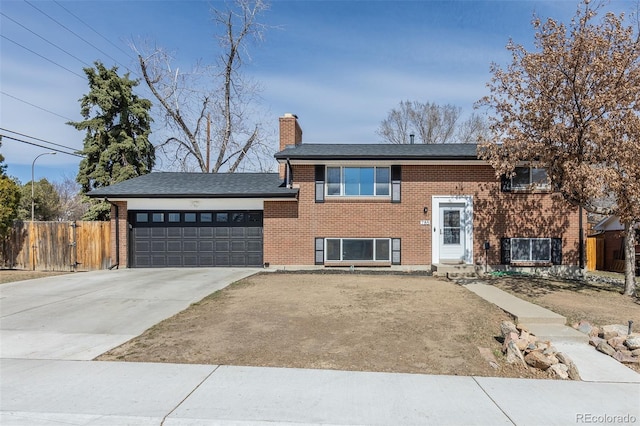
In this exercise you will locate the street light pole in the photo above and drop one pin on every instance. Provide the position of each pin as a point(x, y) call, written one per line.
point(33, 209)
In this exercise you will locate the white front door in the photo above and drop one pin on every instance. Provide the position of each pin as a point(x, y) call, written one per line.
point(452, 243)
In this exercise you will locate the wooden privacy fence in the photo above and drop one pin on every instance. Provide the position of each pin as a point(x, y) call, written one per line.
point(57, 246)
point(595, 254)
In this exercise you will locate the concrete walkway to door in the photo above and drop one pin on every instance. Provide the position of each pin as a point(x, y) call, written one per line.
point(81, 315)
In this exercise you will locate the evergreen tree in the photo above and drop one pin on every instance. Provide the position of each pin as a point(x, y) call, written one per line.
point(117, 125)
point(46, 201)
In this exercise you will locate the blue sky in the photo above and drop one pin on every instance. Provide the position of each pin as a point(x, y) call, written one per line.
point(339, 65)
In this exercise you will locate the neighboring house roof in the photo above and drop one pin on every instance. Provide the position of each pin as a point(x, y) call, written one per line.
point(611, 223)
point(307, 151)
point(190, 185)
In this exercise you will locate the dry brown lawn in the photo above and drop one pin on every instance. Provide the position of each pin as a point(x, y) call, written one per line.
point(13, 275)
point(391, 323)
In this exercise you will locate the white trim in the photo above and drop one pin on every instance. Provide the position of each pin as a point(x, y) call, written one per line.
point(436, 200)
point(192, 203)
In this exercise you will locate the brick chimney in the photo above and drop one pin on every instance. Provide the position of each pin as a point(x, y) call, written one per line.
point(290, 134)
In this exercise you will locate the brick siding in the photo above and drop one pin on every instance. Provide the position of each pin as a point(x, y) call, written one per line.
point(291, 227)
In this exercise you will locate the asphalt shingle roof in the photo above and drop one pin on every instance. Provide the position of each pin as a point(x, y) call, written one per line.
point(379, 151)
point(189, 185)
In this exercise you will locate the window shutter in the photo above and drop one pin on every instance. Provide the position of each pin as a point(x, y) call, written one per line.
point(556, 251)
point(395, 251)
point(396, 178)
point(505, 251)
point(319, 184)
point(319, 249)
point(505, 183)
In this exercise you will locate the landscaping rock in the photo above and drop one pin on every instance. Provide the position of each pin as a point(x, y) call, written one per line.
point(572, 370)
point(626, 358)
point(560, 370)
point(522, 328)
point(550, 350)
point(522, 344)
point(538, 360)
point(605, 348)
point(507, 327)
point(584, 327)
point(595, 341)
point(613, 330)
point(635, 352)
point(509, 337)
point(614, 342)
point(633, 343)
point(514, 355)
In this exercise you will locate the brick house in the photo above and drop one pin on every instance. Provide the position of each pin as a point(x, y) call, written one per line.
point(382, 205)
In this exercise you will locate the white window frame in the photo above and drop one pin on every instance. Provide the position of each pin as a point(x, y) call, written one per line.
point(530, 260)
point(374, 253)
point(342, 181)
point(531, 185)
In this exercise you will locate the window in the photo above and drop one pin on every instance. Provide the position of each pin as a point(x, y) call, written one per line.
point(530, 249)
point(157, 217)
point(142, 217)
point(190, 217)
point(222, 217)
point(358, 181)
point(358, 249)
point(529, 178)
point(206, 217)
point(174, 217)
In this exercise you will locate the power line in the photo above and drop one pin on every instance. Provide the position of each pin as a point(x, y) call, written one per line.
point(38, 139)
point(72, 32)
point(42, 38)
point(94, 30)
point(37, 54)
point(35, 106)
point(41, 146)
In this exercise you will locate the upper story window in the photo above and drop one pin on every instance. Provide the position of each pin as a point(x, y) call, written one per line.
point(528, 178)
point(359, 181)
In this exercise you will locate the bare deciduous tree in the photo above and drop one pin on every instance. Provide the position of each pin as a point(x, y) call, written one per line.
point(572, 105)
point(430, 123)
point(212, 119)
point(71, 207)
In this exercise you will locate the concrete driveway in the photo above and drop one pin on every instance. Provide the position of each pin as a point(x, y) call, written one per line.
point(82, 315)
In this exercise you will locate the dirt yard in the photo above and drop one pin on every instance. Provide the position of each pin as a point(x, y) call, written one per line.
point(392, 323)
point(12, 275)
point(598, 303)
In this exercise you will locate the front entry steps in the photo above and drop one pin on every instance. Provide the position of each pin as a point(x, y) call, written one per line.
point(460, 270)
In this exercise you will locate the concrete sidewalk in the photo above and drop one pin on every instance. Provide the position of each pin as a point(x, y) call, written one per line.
point(547, 325)
point(41, 392)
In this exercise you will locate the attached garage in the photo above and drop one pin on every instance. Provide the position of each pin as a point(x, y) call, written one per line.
point(163, 220)
point(195, 238)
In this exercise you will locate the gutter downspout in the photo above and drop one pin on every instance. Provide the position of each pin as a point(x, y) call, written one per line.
point(117, 265)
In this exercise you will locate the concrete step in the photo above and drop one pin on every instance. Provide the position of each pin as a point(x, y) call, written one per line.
point(556, 332)
point(454, 270)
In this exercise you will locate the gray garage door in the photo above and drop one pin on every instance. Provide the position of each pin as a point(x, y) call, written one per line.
point(191, 239)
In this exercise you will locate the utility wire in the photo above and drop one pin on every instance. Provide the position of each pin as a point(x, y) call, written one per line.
point(46, 59)
point(94, 30)
point(72, 32)
point(35, 106)
point(38, 139)
point(42, 38)
point(41, 146)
